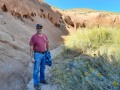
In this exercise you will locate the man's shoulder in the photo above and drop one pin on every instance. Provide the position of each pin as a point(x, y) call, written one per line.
point(34, 35)
point(45, 35)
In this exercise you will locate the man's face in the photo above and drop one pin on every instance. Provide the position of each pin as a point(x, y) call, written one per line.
point(39, 30)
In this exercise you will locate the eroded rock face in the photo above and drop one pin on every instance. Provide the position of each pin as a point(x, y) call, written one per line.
point(64, 20)
point(32, 8)
point(80, 20)
point(15, 71)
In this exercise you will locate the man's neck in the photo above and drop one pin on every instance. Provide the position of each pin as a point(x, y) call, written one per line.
point(40, 34)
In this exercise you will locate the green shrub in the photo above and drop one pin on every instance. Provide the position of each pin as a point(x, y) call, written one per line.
point(97, 68)
point(100, 39)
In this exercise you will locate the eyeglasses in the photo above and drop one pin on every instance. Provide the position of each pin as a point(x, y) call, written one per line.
point(39, 28)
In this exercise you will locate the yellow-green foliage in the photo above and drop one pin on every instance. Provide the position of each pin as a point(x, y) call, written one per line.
point(104, 39)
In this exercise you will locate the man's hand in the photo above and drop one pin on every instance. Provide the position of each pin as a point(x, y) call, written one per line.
point(32, 60)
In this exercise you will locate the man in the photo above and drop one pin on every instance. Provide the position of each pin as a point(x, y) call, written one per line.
point(38, 47)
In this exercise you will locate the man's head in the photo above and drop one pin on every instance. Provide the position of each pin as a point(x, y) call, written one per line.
point(39, 28)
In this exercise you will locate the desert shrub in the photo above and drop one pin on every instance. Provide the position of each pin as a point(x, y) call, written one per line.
point(105, 40)
point(86, 73)
point(90, 60)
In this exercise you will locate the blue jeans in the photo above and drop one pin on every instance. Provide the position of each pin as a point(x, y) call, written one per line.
point(39, 66)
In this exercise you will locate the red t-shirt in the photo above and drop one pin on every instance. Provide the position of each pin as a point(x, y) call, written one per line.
point(39, 42)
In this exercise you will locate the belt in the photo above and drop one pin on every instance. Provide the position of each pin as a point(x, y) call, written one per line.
point(40, 52)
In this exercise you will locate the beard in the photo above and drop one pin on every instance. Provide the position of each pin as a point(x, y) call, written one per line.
point(39, 31)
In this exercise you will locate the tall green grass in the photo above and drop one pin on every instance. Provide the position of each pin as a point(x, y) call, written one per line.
point(104, 40)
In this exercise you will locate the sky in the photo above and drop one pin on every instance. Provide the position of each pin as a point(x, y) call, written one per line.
point(104, 5)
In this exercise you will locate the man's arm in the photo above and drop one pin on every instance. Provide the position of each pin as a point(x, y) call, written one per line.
point(31, 51)
point(47, 46)
point(32, 54)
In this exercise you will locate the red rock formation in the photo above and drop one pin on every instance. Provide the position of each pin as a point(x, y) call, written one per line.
point(78, 20)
